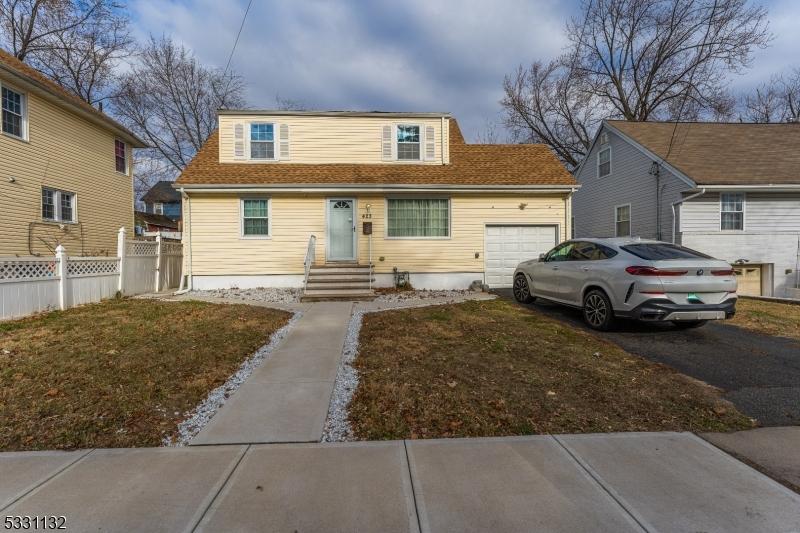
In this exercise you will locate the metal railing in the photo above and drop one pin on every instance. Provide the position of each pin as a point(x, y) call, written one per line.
point(310, 258)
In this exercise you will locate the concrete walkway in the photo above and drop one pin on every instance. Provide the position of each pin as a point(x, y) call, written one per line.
point(286, 399)
point(616, 482)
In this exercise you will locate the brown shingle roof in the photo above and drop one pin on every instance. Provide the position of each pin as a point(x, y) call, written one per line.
point(11, 63)
point(723, 153)
point(470, 164)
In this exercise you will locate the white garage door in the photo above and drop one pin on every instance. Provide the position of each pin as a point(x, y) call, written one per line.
point(508, 246)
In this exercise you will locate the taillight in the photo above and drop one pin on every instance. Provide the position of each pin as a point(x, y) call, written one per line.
point(652, 271)
point(727, 272)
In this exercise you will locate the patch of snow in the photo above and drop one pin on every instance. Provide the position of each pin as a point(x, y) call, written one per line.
point(337, 425)
point(201, 415)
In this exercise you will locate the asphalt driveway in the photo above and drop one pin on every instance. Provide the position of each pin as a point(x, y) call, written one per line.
point(760, 374)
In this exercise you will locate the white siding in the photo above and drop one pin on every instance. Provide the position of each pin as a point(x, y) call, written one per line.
point(770, 236)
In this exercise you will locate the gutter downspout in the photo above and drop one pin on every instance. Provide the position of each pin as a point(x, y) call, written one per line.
point(679, 202)
point(181, 289)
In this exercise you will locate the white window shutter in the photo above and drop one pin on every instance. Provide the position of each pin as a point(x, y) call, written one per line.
point(386, 143)
point(238, 141)
point(430, 143)
point(283, 138)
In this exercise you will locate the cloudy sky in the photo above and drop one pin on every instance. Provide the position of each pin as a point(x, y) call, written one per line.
point(420, 55)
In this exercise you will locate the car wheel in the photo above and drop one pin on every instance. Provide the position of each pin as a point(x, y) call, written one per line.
point(689, 324)
point(522, 291)
point(597, 310)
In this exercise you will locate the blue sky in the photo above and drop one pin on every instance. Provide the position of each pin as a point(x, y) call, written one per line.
point(420, 55)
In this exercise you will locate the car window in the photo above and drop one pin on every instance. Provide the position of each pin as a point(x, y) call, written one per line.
point(582, 251)
point(603, 252)
point(559, 253)
point(657, 251)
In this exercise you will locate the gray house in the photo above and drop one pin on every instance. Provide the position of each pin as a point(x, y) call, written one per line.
point(729, 190)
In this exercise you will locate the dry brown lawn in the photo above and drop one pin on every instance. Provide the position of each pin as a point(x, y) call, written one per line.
point(771, 318)
point(493, 368)
point(120, 373)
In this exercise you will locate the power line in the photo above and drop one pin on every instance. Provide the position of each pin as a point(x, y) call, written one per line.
point(230, 57)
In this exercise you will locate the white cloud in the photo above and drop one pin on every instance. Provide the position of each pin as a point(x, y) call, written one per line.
point(419, 55)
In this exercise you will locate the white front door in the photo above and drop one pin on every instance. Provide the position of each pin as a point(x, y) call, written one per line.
point(341, 229)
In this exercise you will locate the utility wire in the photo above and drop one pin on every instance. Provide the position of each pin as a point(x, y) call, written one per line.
point(236, 42)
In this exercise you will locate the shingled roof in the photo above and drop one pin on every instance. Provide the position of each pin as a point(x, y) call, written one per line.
point(28, 74)
point(470, 164)
point(712, 153)
point(161, 192)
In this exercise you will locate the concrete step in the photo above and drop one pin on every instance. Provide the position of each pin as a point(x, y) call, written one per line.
point(330, 271)
point(317, 295)
point(314, 286)
point(339, 278)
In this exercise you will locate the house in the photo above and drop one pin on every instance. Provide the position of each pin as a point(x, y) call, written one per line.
point(163, 199)
point(65, 168)
point(402, 191)
point(151, 223)
point(729, 190)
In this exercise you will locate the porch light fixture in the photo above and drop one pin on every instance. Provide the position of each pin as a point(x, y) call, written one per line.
point(522, 206)
point(655, 169)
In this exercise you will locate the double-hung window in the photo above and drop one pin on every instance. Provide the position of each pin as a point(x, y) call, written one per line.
point(120, 156)
point(408, 143)
point(413, 218)
point(58, 206)
point(255, 217)
point(13, 111)
point(604, 162)
point(622, 220)
point(262, 141)
point(731, 211)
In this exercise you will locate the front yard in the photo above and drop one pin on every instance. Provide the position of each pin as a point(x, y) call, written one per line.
point(493, 368)
point(120, 373)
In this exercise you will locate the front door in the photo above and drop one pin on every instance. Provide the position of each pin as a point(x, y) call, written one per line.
point(341, 229)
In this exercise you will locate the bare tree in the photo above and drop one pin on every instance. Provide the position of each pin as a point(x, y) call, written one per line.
point(78, 43)
point(552, 104)
point(170, 100)
point(636, 60)
point(776, 101)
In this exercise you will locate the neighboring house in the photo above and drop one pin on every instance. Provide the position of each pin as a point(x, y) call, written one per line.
point(163, 199)
point(445, 211)
point(148, 222)
point(729, 190)
point(65, 168)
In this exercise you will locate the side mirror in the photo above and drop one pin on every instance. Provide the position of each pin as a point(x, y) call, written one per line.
point(541, 257)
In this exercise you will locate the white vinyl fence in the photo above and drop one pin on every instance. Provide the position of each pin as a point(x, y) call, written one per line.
point(32, 285)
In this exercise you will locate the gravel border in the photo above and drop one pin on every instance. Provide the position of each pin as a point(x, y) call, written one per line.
point(201, 415)
point(337, 425)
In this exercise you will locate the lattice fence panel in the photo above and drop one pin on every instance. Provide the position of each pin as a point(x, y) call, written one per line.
point(28, 269)
point(141, 248)
point(171, 248)
point(80, 266)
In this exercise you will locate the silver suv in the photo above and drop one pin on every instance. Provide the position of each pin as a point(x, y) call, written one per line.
point(630, 278)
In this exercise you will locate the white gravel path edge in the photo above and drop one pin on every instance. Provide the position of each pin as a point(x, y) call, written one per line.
point(201, 415)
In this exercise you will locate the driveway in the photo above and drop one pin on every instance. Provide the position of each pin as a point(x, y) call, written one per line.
point(760, 374)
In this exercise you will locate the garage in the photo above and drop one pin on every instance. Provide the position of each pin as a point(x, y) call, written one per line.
point(509, 245)
point(749, 280)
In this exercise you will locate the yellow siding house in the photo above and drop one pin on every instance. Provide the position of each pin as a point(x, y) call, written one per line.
point(273, 192)
point(65, 169)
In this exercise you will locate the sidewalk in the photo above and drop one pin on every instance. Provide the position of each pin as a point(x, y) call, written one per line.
point(615, 482)
point(286, 399)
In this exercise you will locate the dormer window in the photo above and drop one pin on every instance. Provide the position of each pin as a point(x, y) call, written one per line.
point(408, 143)
point(262, 141)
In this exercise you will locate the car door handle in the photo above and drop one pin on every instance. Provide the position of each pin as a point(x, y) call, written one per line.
point(555, 268)
point(585, 269)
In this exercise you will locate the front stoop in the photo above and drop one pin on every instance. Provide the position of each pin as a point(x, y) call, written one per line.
point(332, 282)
